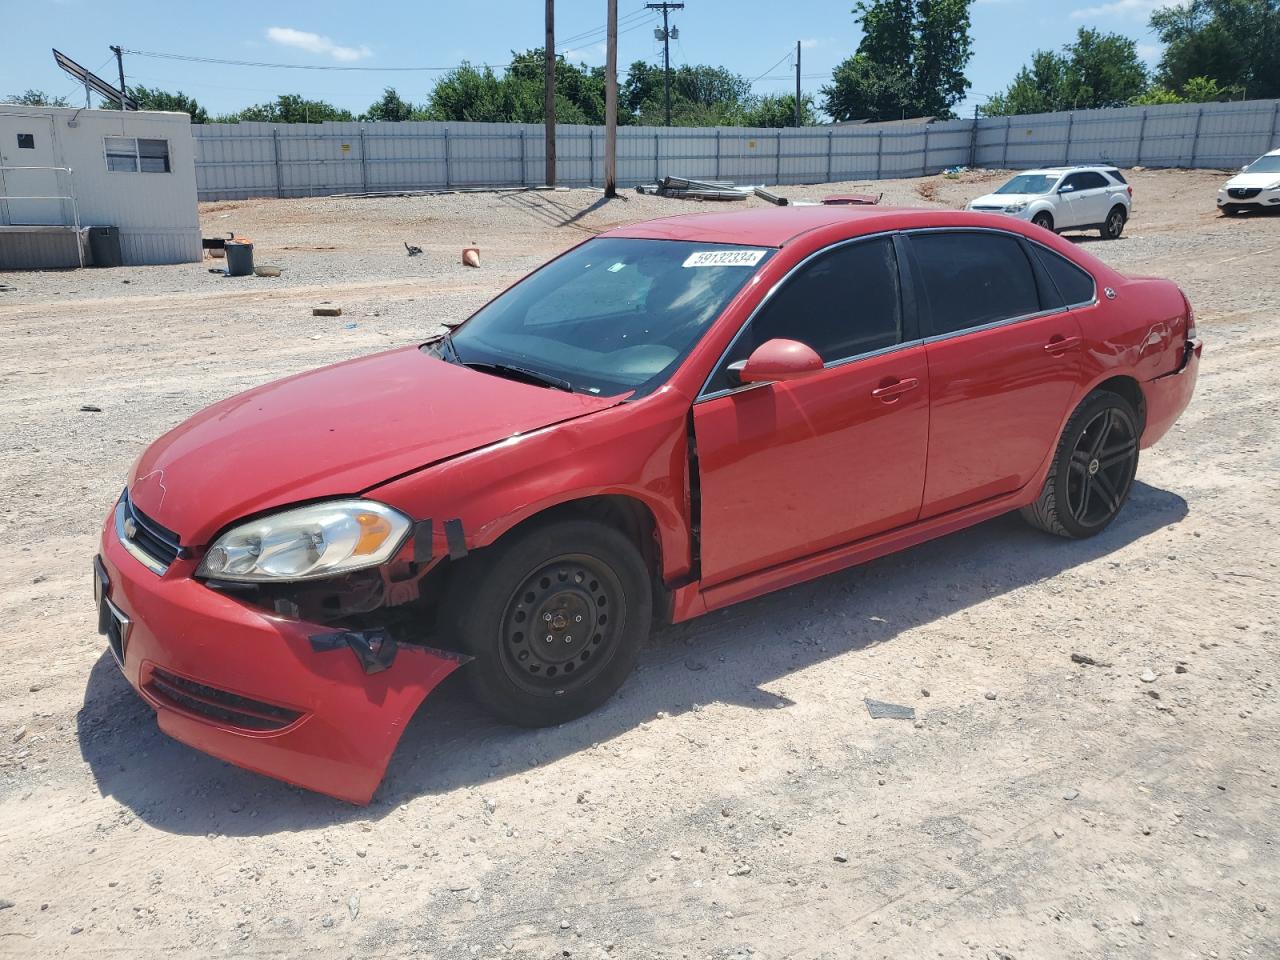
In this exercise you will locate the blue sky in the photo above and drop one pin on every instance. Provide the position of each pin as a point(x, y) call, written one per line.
point(751, 37)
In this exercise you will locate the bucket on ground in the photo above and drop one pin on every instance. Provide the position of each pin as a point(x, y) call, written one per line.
point(104, 246)
point(239, 258)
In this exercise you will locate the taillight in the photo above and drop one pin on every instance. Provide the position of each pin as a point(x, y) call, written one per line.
point(1191, 318)
point(1129, 187)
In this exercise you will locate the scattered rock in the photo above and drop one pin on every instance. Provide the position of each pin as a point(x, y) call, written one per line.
point(1148, 676)
point(1085, 660)
point(89, 408)
point(924, 692)
point(675, 854)
point(1136, 921)
point(6, 904)
point(19, 734)
point(695, 665)
point(1070, 794)
point(490, 805)
point(353, 906)
point(990, 694)
point(326, 311)
point(841, 858)
point(1180, 668)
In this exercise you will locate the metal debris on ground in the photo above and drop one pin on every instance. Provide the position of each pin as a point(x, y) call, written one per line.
point(413, 250)
point(685, 189)
point(880, 710)
point(852, 199)
point(326, 311)
point(774, 198)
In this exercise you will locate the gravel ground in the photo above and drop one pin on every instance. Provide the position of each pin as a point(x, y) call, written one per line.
point(735, 799)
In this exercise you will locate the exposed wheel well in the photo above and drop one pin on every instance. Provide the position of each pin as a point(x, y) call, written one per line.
point(1131, 390)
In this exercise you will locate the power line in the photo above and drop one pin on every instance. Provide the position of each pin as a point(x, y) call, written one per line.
point(762, 76)
point(589, 36)
point(303, 66)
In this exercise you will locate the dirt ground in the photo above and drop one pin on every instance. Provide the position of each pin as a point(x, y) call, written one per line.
point(735, 799)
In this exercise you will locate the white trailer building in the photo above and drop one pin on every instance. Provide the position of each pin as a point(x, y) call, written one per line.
point(64, 171)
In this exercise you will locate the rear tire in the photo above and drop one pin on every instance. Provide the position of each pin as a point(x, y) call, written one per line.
point(1092, 470)
point(581, 583)
point(1114, 224)
point(1043, 219)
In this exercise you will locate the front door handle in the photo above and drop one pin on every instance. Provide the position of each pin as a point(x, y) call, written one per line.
point(1059, 345)
point(892, 391)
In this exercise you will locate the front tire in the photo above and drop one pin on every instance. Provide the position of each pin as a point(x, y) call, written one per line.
point(554, 619)
point(1043, 219)
point(1092, 471)
point(1114, 224)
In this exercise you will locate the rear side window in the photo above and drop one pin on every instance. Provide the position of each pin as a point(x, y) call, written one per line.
point(843, 303)
point(1073, 285)
point(971, 279)
point(1117, 176)
point(1088, 180)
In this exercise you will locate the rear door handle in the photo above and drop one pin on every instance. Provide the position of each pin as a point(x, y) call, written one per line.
point(1061, 344)
point(891, 392)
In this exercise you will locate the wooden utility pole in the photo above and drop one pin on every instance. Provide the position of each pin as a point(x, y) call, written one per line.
point(120, 66)
point(797, 83)
point(549, 93)
point(665, 34)
point(611, 103)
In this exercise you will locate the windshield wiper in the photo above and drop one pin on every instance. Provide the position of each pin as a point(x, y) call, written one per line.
point(520, 373)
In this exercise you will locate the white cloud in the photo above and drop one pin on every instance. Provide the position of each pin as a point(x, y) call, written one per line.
point(1140, 9)
point(811, 43)
point(315, 43)
point(587, 54)
point(1150, 51)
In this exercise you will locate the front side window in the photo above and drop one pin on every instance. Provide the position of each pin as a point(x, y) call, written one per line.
point(843, 303)
point(132, 155)
point(612, 315)
point(973, 278)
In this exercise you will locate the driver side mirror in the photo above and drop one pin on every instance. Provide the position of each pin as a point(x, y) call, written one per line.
point(777, 359)
point(1066, 188)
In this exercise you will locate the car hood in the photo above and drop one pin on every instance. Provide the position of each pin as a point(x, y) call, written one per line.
point(1254, 179)
point(1004, 199)
point(334, 431)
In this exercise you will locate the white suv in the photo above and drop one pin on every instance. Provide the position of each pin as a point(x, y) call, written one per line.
point(1084, 197)
point(1256, 187)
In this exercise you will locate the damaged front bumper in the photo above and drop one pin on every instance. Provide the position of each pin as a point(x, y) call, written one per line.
point(302, 702)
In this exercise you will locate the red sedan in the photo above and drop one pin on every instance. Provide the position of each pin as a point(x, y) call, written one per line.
point(669, 418)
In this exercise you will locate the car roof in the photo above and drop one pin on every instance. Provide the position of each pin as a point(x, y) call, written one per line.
point(1073, 167)
point(776, 226)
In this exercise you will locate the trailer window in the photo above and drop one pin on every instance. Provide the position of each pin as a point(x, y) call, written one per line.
point(26, 141)
point(130, 155)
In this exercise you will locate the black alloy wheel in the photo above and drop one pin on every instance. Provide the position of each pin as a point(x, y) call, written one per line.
point(1092, 471)
point(1114, 225)
point(1101, 468)
point(1043, 220)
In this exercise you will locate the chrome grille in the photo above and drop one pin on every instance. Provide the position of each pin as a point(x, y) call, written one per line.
point(152, 544)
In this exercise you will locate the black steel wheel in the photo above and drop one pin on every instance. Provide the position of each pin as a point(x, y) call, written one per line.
point(554, 615)
point(557, 633)
point(1114, 225)
point(1092, 471)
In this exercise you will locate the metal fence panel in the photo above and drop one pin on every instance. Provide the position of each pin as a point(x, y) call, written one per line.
point(240, 160)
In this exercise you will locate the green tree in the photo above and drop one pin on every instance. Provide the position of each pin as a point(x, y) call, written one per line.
point(1195, 90)
point(1235, 42)
point(289, 108)
point(1096, 70)
point(389, 107)
point(701, 95)
point(35, 98)
point(153, 98)
point(909, 63)
point(779, 111)
point(468, 93)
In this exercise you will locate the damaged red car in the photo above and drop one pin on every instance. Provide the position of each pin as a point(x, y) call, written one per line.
point(666, 419)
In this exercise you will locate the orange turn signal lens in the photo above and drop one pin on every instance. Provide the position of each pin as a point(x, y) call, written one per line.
point(374, 531)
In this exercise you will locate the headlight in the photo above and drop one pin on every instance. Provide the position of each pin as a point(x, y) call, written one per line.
point(320, 540)
point(1015, 208)
point(1274, 186)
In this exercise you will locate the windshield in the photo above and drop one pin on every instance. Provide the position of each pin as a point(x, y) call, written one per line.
point(1030, 183)
point(1267, 164)
point(609, 316)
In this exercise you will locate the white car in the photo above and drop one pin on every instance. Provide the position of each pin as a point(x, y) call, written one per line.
point(1256, 187)
point(1084, 197)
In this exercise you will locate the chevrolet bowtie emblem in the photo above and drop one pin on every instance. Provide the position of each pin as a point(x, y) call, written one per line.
point(130, 528)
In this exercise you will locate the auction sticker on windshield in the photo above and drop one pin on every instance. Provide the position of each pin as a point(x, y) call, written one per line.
point(723, 258)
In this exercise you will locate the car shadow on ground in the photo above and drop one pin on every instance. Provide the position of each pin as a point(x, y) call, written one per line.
point(728, 656)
